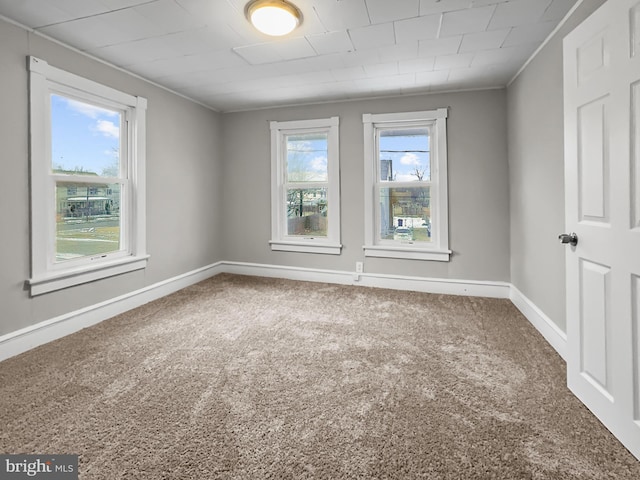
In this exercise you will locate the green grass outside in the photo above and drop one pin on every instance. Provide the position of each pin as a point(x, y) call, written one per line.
point(420, 235)
point(88, 241)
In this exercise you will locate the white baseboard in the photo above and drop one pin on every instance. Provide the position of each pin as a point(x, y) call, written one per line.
point(547, 328)
point(289, 273)
point(472, 288)
point(30, 337)
point(475, 288)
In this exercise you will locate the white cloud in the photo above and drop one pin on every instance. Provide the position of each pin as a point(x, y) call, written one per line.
point(410, 159)
point(90, 111)
point(299, 146)
point(319, 164)
point(405, 177)
point(108, 129)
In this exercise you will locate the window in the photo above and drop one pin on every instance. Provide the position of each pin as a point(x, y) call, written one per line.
point(305, 186)
point(87, 180)
point(406, 185)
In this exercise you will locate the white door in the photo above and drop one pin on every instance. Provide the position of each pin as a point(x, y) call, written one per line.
point(602, 182)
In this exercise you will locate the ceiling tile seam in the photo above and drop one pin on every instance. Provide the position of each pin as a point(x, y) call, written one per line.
point(233, 50)
point(181, 7)
point(104, 62)
point(234, 6)
point(493, 14)
point(546, 9)
point(317, 14)
point(312, 48)
point(440, 22)
point(506, 37)
point(546, 40)
point(280, 60)
point(395, 35)
point(355, 49)
point(164, 35)
point(458, 49)
point(97, 14)
point(366, 7)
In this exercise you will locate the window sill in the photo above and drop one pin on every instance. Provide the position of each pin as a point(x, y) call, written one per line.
point(306, 247)
point(52, 281)
point(408, 253)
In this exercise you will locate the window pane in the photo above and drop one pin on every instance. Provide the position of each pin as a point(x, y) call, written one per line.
point(405, 214)
point(87, 221)
point(85, 139)
point(307, 212)
point(404, 155)
point(307, 157)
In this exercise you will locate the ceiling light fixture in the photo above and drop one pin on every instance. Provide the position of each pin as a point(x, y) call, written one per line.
point(273, 17)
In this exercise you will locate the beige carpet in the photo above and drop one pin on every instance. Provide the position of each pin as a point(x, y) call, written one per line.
point(250, 378)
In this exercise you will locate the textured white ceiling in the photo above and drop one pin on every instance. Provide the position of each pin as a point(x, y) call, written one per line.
point(344, 49)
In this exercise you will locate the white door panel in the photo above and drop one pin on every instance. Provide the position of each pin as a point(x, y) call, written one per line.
point(593, 161)
point(634, 174)
point(635, 306)
point(595, 320)
point(602, 201)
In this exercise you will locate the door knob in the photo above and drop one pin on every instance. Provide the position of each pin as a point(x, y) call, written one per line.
point(570, 238)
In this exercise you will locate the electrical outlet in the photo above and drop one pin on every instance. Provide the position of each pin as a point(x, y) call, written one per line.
point(359, 267)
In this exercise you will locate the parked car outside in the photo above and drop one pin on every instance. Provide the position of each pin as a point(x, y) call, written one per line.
point(402, 233)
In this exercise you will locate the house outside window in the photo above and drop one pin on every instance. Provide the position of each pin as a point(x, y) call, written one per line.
point(305, 186)
point(406, 206)
point(87, 179)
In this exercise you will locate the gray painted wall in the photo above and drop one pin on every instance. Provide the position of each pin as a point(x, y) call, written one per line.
point(506, 207)
point(183, 183)
point(478, 186)
point(536, 174)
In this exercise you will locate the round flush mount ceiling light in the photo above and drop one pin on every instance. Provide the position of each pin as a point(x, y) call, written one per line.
point(273, 17)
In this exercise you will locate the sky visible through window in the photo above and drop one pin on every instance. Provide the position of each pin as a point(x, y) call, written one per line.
point(409, 153)
point(84, 137)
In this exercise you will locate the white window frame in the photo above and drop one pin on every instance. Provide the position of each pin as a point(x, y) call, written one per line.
point(47, 275)
point(438, 248)
point(280, 240)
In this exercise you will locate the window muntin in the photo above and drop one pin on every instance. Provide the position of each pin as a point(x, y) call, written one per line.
point(305, 186)
point(405, 180)
point(87, 179)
